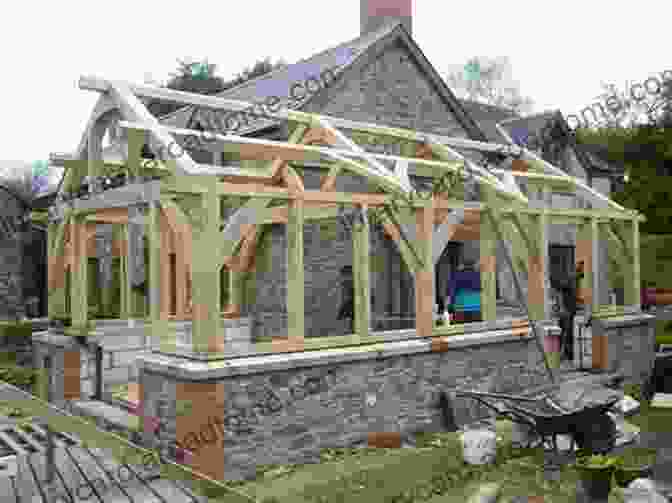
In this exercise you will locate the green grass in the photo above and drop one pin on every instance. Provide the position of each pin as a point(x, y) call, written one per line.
point(434, 470)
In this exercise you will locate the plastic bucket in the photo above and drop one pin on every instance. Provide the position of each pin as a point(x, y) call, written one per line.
point(552, 350)
point(479, 446)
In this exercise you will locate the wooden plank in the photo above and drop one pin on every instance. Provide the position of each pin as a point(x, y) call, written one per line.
point(424, 277)
point(361, 274)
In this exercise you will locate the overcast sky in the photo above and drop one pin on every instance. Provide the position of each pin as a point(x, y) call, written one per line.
point(560, 51)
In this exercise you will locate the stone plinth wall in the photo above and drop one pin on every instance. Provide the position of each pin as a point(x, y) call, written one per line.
point(119, 357)
point(285, 408)
point(627, 344)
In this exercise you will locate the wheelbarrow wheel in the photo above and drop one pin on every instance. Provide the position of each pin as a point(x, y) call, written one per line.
point(597, 435)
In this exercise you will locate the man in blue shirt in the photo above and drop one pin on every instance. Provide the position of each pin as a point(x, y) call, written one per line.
point(463, 298)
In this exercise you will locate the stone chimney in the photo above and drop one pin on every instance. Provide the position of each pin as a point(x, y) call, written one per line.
point(374, 13)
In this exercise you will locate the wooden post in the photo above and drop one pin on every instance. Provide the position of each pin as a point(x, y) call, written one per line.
point(153, 227)
point(79, 287)
point(205, 272)
point(56, 270)
point(361, 274)
point(167, 247)
point(584, 253)
point(424, 277)
point(595, 269)
point(124, 274)
point(295, 278)
point(538, 281)
point(488, 262)
point(633, 279)
point(236, 291)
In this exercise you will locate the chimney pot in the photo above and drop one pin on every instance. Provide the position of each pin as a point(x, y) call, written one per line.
point(375, 13)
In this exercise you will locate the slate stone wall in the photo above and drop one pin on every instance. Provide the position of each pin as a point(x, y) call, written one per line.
point(11, 263)
point(288, 416)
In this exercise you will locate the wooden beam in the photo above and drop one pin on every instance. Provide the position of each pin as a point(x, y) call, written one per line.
point(584, 253)
point(121, 197)
point(329, 181)
point(166, 283)
point(93, 83)
point(295, 276)
point(79, 286)
point(56, 270)
point(297, 135)
point(424, 277)
point(407, 252)
point(488, 261)
point(206, 334)
point(538, 281)
point(361, 274)
point(156, 314)
point(632, 282)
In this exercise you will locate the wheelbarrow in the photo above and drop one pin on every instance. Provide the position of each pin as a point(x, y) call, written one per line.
point(565, 410)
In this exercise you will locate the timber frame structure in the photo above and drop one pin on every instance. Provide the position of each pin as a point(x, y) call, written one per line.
point(180, 202)
point(182, 205)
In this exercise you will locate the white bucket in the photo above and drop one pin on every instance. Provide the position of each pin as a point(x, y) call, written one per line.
point(479, 446)
point(521, 434)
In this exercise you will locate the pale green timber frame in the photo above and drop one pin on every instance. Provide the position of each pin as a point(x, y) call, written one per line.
point(205, 219)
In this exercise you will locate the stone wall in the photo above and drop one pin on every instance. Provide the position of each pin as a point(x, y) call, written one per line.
point(11, 263)
point(286, 415)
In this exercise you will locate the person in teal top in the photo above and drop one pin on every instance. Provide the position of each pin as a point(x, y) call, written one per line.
point(463, 298)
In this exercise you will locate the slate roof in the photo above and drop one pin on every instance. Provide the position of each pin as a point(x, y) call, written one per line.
point(278, 82)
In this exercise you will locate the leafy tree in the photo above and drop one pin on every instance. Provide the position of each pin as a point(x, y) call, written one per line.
point(489, 81)
point(646, 153)
point(200, 77)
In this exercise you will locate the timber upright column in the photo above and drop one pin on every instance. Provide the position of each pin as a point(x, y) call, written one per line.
point(488, 262)
point(538, 280)
point(424, 277)
point(361, 274)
